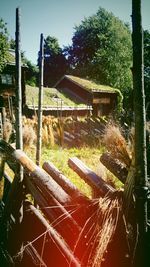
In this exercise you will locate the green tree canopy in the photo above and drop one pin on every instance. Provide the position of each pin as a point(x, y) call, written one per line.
point(4, 44)
point(55, 63)
point(102, 50)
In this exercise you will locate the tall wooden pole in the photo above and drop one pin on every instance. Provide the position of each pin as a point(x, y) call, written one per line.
point(141, 188)
point(39, 133)
point(19, 142)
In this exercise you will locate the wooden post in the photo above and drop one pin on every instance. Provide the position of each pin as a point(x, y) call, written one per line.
point(39, 133)
point(141, 189)
point(19, 142)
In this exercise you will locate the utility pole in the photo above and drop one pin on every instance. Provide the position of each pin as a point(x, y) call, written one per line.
point(39, 133)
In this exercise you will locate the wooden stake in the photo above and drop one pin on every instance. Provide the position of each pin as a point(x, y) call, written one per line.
point(39, 133)
point(19, 142)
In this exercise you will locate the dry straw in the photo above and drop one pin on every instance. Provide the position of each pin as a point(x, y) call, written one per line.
point(116, 144)
point(107, 218)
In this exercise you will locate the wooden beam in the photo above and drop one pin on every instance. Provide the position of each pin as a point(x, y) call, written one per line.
point(91, 178)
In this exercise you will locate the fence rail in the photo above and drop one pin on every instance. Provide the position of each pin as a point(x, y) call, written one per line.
point(57, 231)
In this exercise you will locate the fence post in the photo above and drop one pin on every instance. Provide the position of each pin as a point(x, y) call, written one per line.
point(39, 133)
point(141, 189)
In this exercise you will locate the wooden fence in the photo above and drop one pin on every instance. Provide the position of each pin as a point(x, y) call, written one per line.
point(55, 231)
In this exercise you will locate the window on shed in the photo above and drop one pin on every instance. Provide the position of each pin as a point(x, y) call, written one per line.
point(7, 79)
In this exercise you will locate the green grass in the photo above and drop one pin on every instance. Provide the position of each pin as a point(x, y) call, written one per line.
point(59, 157)
point(51, 97)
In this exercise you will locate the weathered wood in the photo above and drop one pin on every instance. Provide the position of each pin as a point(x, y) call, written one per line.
point(18, 123)
point(45, 184)
point(114, 166)
point(56, 251)
point(40, 100)
point(7, 186)
point(2, 165)
point(31, 257)
point(56, 214)
point(40, 177)
point(91, 178)
point(19, 141)
point(80, 204)
point(140, 178)
point(64, 182)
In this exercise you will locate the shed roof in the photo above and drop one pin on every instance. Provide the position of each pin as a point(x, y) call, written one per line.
point(88, 84)
point(11, 58)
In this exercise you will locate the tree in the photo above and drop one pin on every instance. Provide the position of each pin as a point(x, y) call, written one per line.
point(32, 72)
point(55, 63)
point(147, 71)
point(102, 50)
point(4, 44)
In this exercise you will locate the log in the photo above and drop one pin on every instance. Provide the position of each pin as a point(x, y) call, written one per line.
point(91, 178)
point(65, 183)
point(80, 203)
point(52, 192)
point(56, 252)
point(56, 214)
point(31, 257)
point(7, 186)
point(40, 177)
point(114, 166)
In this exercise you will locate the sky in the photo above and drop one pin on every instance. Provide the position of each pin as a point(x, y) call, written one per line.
point(58, 18)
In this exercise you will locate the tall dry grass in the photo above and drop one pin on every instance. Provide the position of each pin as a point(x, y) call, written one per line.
point(7, 131)
point(116, 144)
point(105, 226)
point(30, 131)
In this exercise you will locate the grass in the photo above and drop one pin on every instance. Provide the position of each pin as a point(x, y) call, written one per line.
point(90, 85)
point(59, 157)
point(51, 97)
point(89, 156)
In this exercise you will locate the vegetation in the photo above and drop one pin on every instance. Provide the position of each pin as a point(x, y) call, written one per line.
point(3, 44)
point(90, 85)
point(55, 63)
point(101, 50)
point(51, 97)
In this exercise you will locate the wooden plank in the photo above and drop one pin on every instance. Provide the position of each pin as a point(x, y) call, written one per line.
point(101, 100)
point(91, 178)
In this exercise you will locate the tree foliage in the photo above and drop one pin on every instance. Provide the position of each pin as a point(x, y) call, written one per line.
point(55, 63)
point(102, 50)
point(32, 71)
point(4, 44)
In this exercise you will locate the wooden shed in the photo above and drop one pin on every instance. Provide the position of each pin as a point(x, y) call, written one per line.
point(8, 81)
point(102, 98)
